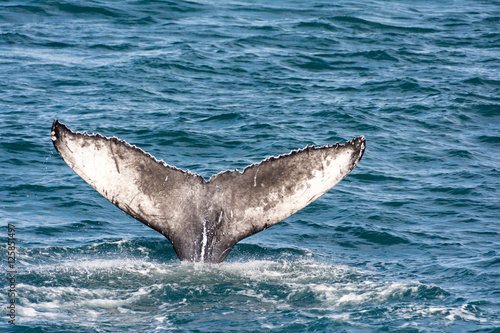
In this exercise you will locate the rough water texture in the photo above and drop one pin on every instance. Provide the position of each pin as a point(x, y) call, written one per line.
point(408, 242)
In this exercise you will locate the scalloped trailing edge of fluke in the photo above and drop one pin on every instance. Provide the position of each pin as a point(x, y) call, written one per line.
point(256, 164)
point(337, 145)
point(114, 138)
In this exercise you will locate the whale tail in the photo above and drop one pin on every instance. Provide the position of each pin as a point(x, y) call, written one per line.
point(204, 219)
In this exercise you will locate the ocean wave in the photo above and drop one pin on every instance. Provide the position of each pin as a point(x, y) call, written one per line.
point(373, 236)
point(363, 24)
point(110, 290)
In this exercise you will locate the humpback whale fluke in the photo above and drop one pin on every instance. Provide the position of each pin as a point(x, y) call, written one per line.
point(204, 219)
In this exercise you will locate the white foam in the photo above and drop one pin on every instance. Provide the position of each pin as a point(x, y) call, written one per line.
point(463, 314)
point(333, 290)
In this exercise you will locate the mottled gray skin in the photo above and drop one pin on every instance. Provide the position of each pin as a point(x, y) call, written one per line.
point(204, 219)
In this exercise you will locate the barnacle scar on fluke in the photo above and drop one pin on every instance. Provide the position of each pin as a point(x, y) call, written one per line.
point(203, 219)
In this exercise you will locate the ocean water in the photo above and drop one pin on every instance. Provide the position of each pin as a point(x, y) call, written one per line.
point(408, 242)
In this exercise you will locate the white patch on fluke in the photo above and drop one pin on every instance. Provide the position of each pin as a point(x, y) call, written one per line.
point(204, 241)
point(255, 178)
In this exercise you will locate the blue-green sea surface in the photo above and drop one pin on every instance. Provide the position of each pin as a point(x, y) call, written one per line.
point(408, 242)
